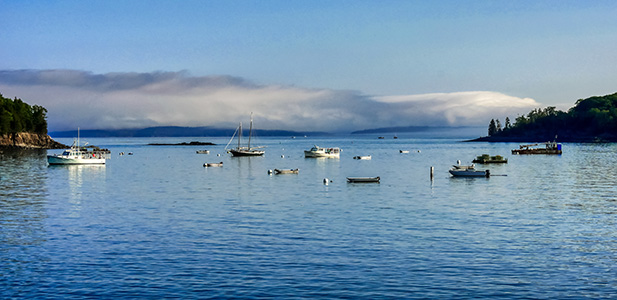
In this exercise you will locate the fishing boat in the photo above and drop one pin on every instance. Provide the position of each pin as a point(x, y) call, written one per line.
point(286, 171)
point(363, 179)
point(208, 165)
point(362, 157)
point(245, 150)
point(317, 151)
point(468, 171)
point(549, 148)
point(79, 155)
point(487, 159)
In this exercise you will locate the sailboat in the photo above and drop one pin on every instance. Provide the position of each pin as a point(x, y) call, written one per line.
point(248, 150)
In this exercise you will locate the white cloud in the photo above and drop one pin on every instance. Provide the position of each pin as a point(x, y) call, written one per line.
point(133, 100)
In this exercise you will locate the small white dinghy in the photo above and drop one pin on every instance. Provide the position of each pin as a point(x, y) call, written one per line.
point(208, 165)
point(363, 157)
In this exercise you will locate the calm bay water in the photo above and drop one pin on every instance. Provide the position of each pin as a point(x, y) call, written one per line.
point(157, 224)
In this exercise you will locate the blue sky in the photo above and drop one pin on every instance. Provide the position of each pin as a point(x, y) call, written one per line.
point(552, 52)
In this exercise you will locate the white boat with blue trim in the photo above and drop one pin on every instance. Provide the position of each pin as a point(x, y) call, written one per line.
point(79, 155)
point(317, 151)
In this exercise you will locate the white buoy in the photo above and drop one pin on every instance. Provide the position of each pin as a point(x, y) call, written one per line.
point(269, 171)
point(282, 156)
point(218, 154)
point(458, 162)
point(326, 181)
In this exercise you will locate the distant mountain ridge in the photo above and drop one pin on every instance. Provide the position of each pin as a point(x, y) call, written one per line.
point(174, 131)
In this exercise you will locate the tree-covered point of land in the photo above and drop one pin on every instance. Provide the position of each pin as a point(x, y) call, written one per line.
point(17, 116)
point(594, 118)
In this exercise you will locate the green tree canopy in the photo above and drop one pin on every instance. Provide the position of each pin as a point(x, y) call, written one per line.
point(18, 116)
point(592, 117)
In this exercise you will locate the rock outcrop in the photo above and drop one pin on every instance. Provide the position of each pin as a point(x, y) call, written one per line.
point(29, 140)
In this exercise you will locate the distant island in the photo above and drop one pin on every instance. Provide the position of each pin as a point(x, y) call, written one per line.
point(591, 120)
point(24, 126)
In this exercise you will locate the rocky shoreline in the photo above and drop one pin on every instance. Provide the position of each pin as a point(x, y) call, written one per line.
point(29, 141)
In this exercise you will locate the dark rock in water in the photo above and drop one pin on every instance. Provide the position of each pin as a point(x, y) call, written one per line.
point(193, 143)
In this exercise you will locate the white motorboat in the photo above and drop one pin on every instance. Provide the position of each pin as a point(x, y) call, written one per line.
point(79, 155)
point(317, 151)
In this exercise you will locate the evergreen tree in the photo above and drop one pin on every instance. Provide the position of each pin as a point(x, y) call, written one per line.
point(594, 118)
point(492, 128)
point(39, 119)
point(17, 116)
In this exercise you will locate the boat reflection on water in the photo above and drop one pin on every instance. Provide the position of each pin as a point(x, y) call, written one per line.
point(81, 180)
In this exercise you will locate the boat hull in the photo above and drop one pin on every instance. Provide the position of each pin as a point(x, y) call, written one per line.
point(288, 171)
point(537, 151)
point(469, 173)
point(483, 161)
point(247, 153)
point(363, 179)
point(235, 152)
point(310, 154)
point(58, 160)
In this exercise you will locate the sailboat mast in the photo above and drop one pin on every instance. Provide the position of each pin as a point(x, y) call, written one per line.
point(239, 134)
point(250, 132)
